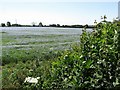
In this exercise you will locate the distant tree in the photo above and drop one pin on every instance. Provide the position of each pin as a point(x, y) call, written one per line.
point(95, 22)
point(33, 24)
point(3, 24)
point(58, 25)
point(86, 26)
point(52, 25)
point(77, 26)
point(40, 24)
point(104, 17)
point(8, 24)
point(16, 25)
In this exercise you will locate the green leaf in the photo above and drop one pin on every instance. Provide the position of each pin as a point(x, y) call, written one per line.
point(88, 63)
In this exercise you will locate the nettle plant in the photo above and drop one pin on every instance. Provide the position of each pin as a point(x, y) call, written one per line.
point(95, 63)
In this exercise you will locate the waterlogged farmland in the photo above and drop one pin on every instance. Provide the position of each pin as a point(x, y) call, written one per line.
point(91, 60)
point(26, 43)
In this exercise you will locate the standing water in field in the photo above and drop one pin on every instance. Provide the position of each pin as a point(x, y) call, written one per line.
point(34, 43)
point(38, 36)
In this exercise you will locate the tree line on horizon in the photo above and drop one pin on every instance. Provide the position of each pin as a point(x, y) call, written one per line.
point(8, 24)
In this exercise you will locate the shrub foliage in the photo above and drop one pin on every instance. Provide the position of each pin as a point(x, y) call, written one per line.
point(95, 63)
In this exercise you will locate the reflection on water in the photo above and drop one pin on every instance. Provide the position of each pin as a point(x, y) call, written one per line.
point(40, 30)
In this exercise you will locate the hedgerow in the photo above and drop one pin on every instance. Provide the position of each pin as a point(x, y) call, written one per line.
point(94, 64)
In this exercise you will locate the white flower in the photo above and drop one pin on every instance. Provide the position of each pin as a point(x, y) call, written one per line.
point(32, 80)
point(65, 56)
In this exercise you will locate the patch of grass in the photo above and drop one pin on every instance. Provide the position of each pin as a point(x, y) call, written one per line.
point(14, 73)
point(6, 39)
point(14, 55)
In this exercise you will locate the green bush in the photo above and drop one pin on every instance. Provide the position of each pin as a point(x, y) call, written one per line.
point(92, 65)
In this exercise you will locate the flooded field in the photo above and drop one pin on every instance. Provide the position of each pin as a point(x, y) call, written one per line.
point(31, 42)
point(26, 37)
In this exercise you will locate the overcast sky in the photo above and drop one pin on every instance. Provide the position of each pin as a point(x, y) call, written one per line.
point(72, 12)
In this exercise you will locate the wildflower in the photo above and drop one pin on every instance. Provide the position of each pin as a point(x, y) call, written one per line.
point(31, 80)
point(65, 56)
